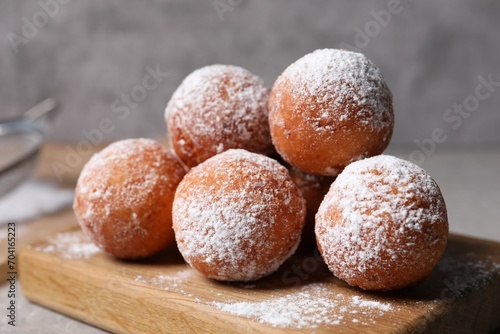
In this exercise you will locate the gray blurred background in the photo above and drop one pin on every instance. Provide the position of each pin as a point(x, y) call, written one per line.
point(90, 55)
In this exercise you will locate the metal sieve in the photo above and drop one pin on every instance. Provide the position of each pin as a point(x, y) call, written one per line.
point(20, 143)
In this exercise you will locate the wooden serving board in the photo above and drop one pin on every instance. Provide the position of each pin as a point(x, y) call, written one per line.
point(164, 295)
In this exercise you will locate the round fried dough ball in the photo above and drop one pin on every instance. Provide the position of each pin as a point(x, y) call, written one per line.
point(313, 189)
point(123, 198)
point(238, 216)
point(216, 108)
point(383, 224)
point(328, 109)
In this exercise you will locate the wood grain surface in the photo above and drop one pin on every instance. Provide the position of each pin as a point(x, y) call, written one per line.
point(164, 295)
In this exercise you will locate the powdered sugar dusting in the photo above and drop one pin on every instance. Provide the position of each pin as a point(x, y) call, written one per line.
point(311, 306)
point(238, 213)
point(168, 282)
point(466, 273)
point(216, 108)
point(382, 212)
point(319, 305)
point(357, 300)
point(70, 245)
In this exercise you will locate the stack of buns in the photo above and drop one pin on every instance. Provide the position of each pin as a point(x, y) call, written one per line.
point(252, 171)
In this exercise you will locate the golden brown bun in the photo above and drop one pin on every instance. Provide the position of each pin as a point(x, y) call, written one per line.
point(238, 216)
point(383, 225)
point(328, 109)
point(123, 198)
point(216, 108)
point(313, 189)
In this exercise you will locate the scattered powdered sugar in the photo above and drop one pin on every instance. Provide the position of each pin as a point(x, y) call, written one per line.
point(466, 273)
point(216, 108)
point(382, 212)
point(70, 245)
point(357, 300)
point(227, 213)
point(311, 306)
point(168, 282)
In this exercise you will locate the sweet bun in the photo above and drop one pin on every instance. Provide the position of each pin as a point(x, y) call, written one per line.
point(383, 224)
point(238, 216)
point(216, 108)
point(328, 109)
point(123, 198)
point(313, 188)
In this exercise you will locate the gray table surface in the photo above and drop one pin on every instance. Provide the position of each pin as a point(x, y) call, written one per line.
point(469, 180)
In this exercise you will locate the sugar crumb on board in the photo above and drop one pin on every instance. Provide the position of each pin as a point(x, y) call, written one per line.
point(466, 273)
point(70, 245)
point(311, 306)
point(316, 305)
point(167, 282)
